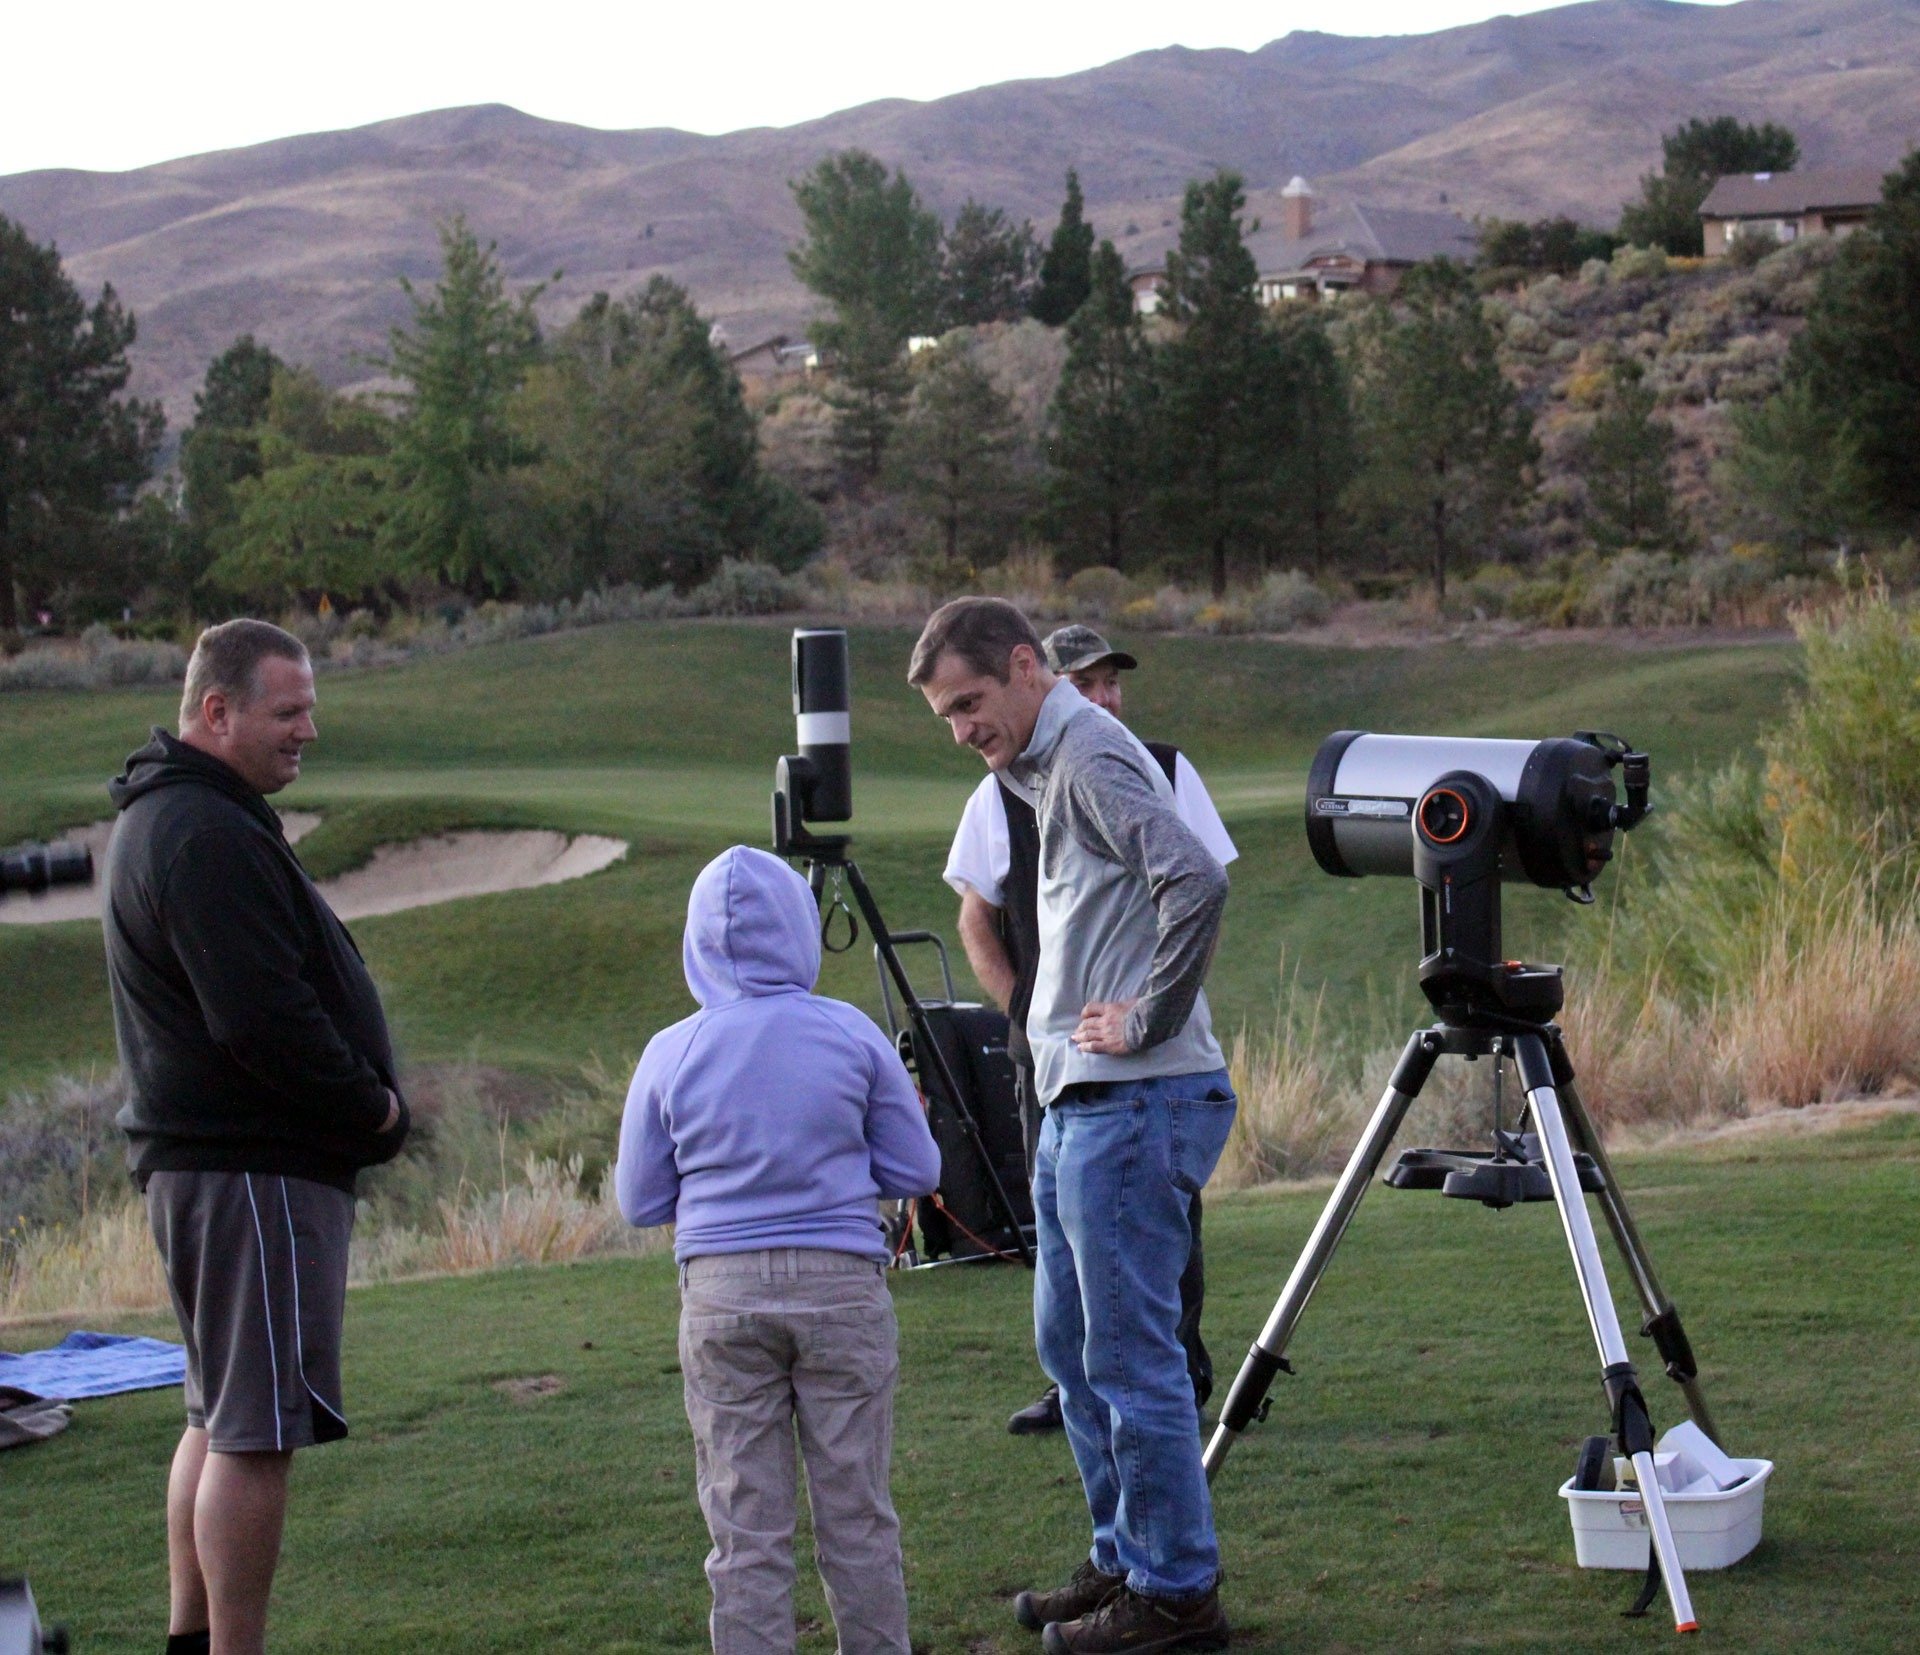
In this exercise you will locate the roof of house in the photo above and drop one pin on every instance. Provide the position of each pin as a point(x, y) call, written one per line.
point(1367, 234)
point(1773, 194)
point(1371, 235)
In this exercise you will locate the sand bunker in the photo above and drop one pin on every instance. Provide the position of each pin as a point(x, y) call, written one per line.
point(442, 868)
point(452, 865)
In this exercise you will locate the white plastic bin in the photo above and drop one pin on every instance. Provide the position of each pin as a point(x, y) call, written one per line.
point(1711, 1529)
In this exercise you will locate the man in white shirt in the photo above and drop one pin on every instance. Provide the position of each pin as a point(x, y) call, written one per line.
point(994, 866)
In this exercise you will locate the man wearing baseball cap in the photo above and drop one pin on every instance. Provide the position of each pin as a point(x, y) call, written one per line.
point(995, 867)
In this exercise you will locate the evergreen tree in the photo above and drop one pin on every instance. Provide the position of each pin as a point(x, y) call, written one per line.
point(987, 270)
point(1693, 156)
point(72, 451)
point(1101, 424)
point(1223, 396)
point(955, 458)
point(464, 355)
point(313, 518)
point(1793, 474)
point(1066, 268)
point(1445, 441)
point(222, 445)
point(1626, 456)
point(1320, 461)
point(872, 252)
point(1859, 354)
point(648, 454)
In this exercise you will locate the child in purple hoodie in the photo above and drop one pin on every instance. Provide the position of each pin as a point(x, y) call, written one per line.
point(766, 1127)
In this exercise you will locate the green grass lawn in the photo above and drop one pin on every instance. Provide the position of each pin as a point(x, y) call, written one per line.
point(1401, 1497)
point(665, 734)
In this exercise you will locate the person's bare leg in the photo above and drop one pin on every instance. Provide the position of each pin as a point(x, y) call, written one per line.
point(237, 1519)
point(187, 1587)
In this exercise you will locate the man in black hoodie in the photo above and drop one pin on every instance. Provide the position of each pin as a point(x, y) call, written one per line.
point(260, 1080)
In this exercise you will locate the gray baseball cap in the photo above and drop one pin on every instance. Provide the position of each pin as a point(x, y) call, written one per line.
point(1076, 648)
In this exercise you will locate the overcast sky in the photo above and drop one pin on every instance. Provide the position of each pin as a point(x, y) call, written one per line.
point(115, 85)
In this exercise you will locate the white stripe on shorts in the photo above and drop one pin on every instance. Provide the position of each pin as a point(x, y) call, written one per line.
point(266, 1298)
point(299, 1341)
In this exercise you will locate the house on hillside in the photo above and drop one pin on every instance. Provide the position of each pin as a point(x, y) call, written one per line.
point(774, 358)
point(1784, 206)
point(1321, 249)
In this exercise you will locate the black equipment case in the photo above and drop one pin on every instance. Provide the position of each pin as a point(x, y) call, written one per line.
point(964, 1220)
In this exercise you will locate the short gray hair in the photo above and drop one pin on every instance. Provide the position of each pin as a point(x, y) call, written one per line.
point(983, 632)
point(227, 658)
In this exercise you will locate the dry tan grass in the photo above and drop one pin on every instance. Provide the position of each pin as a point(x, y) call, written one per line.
point(104, 1263)
point(107, 1262)
point(1298, 1111)
point(1831, 1012)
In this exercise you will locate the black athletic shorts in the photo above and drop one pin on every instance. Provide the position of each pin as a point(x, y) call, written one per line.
point(257, 1266)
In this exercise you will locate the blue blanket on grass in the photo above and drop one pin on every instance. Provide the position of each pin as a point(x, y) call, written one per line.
point(95, 1364)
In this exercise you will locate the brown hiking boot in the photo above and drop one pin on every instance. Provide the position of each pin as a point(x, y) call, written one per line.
point(1139, 1625)
point(1085, 1592)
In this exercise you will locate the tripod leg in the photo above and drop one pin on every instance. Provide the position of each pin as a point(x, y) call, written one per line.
point(924, 1043)
point(1631, 1423)
point(1269, 1353)
point(1663, 1320)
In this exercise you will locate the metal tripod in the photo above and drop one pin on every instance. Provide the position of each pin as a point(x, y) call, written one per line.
point(827, 854)
point(1563, 1125)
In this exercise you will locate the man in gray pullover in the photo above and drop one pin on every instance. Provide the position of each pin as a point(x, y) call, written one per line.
point(1138, 1107)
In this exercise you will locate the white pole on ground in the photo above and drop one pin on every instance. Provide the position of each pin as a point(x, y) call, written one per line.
point(1574, 1219)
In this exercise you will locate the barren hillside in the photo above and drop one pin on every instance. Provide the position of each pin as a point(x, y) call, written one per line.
point(301, 240)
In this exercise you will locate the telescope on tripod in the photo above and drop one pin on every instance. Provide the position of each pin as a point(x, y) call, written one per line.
point(816, 785)
point(1462, 817)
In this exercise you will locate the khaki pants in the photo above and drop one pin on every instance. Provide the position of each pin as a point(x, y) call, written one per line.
point(774, 1341)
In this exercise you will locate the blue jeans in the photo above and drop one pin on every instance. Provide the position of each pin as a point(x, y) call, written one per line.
point(1116, 1168)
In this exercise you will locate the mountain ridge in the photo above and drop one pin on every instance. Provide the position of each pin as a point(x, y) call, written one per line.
point(301, 240)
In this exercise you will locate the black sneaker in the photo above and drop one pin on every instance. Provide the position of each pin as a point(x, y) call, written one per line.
point(1139, 1625)
point(1043, 1415)
point(1085, 1592)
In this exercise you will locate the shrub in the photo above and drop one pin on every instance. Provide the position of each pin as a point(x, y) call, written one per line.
point(1099, 592)
point(1286, 600)
point(742, 588)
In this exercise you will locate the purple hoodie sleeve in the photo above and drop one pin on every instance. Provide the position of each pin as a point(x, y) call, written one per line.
point(906, 1161)
point(645, 1177)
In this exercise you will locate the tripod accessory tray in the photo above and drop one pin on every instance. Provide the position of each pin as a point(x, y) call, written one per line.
point(1480, 1175)
point(1711, 1529)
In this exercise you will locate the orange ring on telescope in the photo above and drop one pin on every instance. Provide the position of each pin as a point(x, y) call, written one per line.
point(1466, 816)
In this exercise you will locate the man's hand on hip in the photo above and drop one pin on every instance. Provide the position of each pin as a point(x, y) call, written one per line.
point(1103, 1028)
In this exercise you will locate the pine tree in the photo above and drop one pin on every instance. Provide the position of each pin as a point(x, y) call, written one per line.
point(1223, 398)
point(1859, 355)
point(987, 271)
point(955, 457)
point(464, 355)
point(1101, 424)
point(1445, 441)
point(222, 445)
point(1321, 459)
point(1066, 268)
point(1626, 456)
point(872, 252)
point(72, 451)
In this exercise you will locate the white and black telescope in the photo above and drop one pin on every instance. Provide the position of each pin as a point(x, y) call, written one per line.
point(816, 784)
point(1372, 800)
point(1463, 816)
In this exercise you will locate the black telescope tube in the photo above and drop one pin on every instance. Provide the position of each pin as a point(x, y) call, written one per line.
point(36, 867)
point(821, 703)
